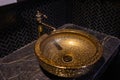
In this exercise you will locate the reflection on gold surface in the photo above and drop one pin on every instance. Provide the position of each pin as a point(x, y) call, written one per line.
point(72, 42)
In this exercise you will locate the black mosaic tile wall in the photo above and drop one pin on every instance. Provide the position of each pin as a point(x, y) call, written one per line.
point(99, 15)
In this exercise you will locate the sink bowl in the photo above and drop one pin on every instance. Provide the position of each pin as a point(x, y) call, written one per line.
point(68, 52)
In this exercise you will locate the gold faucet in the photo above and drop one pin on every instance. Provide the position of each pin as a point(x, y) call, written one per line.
point(39, 17)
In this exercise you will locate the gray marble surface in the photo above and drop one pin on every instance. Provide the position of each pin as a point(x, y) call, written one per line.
point(22, 64)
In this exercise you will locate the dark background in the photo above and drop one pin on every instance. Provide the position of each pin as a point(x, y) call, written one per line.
point(18, 25)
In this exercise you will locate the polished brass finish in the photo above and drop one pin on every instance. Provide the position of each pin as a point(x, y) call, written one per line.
point(39, 17)
point(68, 52)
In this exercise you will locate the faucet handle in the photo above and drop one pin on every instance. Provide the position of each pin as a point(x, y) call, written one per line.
point(40, 16)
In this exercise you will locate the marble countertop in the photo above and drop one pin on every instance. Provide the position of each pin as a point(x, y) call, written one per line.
point(22, 64)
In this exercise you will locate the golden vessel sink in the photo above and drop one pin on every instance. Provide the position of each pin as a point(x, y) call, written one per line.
point(67, 52)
